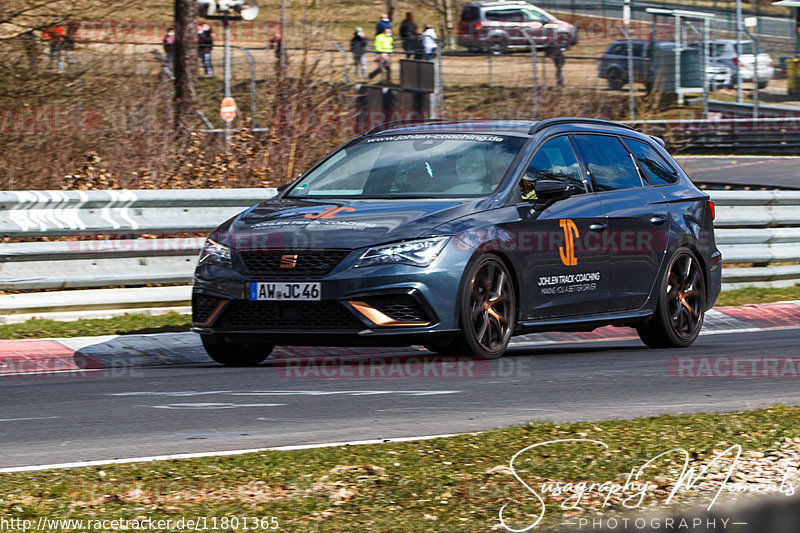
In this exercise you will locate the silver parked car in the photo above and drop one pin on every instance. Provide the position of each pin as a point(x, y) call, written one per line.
point(724, 53)
point(497, 27)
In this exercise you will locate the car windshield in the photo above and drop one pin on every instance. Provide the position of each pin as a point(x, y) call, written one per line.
point(426, 165)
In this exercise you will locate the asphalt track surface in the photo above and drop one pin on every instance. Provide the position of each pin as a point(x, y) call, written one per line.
point(203, 408)
point(753, 171)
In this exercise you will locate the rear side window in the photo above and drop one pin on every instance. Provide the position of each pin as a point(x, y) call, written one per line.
point(536, 14)
point(470, 13)
point(609, 162)
point(655, 167)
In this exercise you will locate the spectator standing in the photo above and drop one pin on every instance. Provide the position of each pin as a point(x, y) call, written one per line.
point(55, 35)
point(554, 52)
point(430, 41)
point(384, 46)
point(69, 45)
point(205, 41)
point(383, 24)
point(358, 47)
point(29, 41)
point(409, 35)
point(276, 43)
point(169, 45)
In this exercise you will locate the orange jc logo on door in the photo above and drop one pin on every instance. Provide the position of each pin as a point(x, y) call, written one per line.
point(567, 251)
point(330, 212)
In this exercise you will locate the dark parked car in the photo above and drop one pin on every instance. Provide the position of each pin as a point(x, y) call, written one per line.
point(613, 66)
point(499, 26)
point(460, 235)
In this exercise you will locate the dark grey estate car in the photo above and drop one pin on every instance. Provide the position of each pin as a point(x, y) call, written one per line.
point(459, 235)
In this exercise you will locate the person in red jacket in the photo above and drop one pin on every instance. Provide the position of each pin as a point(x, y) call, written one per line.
point(56, 36)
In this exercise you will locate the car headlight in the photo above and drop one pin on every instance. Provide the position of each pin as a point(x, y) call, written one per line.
point(419, 253)
point(214, 252)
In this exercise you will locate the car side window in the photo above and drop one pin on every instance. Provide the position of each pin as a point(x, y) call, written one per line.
point(616, 49)
point(537, 15)
point(555, 160)
point(654, 165)
point(609, 162)
point(638, 49)
point(500, 16)
point(515, 16)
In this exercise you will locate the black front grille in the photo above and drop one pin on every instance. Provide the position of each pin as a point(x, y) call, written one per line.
point(306, 262)
point(254, 315)
point(202, 307)
point(399, 307)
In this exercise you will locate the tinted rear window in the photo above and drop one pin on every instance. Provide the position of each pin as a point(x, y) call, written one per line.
point(470, 13)
point(656, 168)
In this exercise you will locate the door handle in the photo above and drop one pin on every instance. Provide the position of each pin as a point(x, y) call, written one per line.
point(658, 219)
point(598, 227)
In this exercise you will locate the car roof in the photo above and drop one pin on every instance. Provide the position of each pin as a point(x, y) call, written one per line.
point(508, 127)
point(509, 3)
point(728, 41)
point(520, 128)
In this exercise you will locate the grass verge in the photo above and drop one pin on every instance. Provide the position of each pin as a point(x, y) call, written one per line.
point(122, 325)
point(447, 484)
point(140, 324)
point(754, 295)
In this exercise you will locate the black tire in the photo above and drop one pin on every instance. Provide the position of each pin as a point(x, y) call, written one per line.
point(614, 79)
point(229, 354)
point(487, 310)
point(762, 84)
point(454, 347)
point(497, 47)
point(681, 304)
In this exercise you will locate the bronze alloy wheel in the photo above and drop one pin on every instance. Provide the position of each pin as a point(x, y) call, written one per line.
point(487, 310)
point(684, 298)
point(681, 305)
point(490, 316)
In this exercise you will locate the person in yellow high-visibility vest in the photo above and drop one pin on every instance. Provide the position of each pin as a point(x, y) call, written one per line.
point(384, 46)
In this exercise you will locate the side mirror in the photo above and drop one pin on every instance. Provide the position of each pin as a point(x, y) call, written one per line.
point(549, 192)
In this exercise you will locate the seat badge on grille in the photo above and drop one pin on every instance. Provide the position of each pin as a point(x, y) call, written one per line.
point(288, 261)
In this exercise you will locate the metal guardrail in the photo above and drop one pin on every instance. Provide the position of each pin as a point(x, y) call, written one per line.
point(766, 135)
point(123, 260)
point(759, 228)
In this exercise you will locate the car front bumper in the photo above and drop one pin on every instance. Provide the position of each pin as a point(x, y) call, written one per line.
point(388, 304)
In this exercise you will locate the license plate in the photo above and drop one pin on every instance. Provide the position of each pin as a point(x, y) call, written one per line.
point(285, 291)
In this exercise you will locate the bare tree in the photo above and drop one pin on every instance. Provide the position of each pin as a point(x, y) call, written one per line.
point(186, 101)
point(390, 7)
